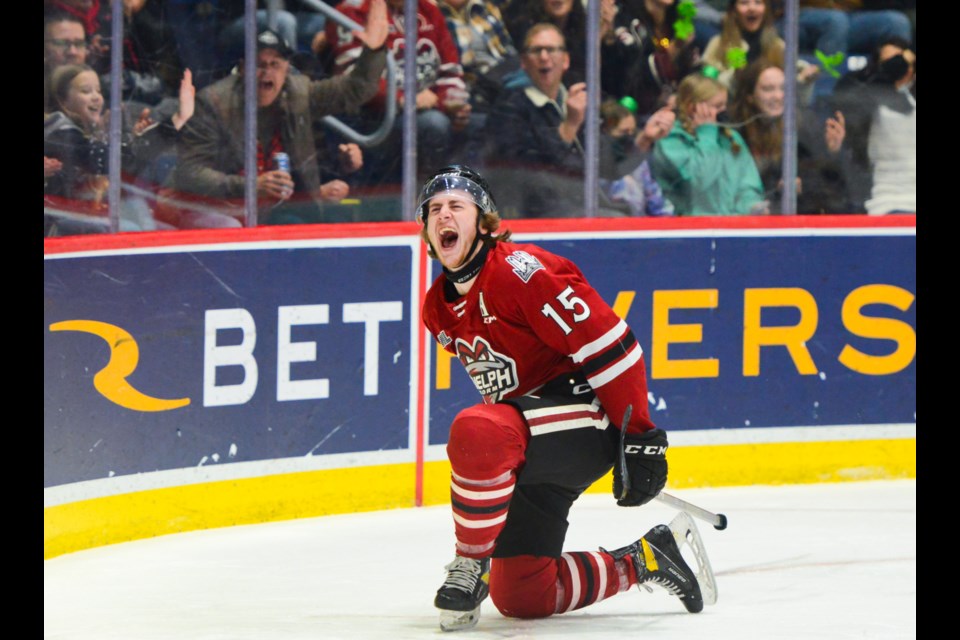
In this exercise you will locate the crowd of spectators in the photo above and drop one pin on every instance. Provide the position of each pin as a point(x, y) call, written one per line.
point(692, 107)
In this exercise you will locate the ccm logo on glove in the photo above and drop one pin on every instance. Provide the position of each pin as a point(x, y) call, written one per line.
point(648, 450)
point(645, 473)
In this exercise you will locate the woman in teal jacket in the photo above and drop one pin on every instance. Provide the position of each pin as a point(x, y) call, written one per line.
point(704, 168)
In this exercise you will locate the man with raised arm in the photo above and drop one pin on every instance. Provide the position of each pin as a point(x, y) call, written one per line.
point(289, 106)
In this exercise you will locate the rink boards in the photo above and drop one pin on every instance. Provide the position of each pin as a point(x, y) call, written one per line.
point(194, 380)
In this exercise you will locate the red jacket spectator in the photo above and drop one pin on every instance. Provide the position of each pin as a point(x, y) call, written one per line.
point(438, 61)
point(87, 10)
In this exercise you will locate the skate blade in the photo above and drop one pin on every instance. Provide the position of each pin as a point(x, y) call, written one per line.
point(685, 533)
point(459, 620)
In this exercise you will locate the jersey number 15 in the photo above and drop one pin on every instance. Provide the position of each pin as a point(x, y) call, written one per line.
point(570, 302)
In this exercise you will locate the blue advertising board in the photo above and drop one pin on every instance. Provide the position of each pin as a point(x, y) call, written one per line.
point(213, 378)
point(750, 329)
point(178, 357)
point(225, 355)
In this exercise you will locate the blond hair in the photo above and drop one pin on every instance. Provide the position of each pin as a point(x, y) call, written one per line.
point(694, 89)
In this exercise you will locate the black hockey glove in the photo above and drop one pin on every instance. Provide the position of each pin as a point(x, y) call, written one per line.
point(640, 473)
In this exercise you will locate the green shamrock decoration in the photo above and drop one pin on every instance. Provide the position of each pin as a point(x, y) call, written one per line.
point(830, 62)
point(736, 58)
point(683, 28)
point(687, 10)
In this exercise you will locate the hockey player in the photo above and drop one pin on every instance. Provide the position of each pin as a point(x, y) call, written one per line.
point(557, 370)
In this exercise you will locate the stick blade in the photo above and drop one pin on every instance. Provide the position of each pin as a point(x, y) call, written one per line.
point(685, 533)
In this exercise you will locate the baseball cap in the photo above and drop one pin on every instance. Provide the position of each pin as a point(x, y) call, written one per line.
point(270, 39)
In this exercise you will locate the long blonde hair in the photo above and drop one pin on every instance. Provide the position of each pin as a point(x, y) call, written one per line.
point(694, 89)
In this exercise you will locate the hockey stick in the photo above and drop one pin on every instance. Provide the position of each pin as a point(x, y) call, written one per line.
point(718, 520)
point(624, 474)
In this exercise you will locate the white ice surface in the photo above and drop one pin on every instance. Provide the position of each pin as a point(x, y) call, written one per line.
point(817, 561)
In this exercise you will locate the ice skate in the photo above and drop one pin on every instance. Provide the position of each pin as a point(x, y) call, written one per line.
point(466, 587)
point(657, 559)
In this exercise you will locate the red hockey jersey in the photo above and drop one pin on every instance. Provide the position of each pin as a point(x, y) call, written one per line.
point(530, 317)
point(438, 59)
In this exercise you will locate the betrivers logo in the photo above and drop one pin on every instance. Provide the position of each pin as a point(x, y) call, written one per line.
point(111, 381)
point(494, 374)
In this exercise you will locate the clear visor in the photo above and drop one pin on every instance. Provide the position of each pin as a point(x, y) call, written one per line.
point(453, 185)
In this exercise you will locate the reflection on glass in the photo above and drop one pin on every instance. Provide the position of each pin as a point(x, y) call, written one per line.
point(495, 89)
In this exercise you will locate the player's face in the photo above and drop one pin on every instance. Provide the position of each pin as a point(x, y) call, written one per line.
point(452, 227)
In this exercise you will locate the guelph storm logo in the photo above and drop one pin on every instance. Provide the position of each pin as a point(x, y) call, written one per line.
point(494, 374)
point(524, 264)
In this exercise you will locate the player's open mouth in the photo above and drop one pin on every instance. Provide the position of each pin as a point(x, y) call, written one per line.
point(448, 238)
